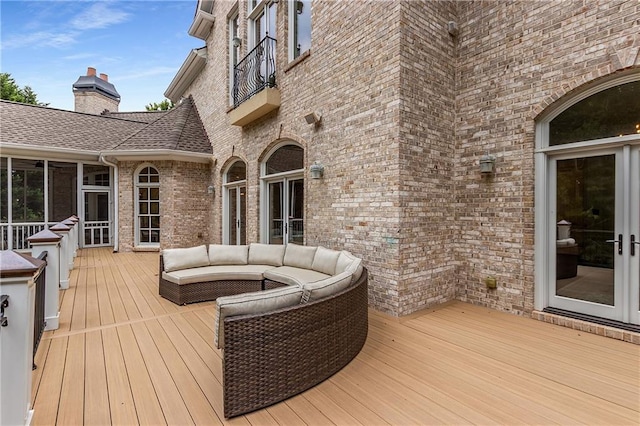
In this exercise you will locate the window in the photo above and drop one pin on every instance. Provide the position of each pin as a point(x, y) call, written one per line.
point(300, 27)
point(234, 50)
point(262, 21)
point(235, 204)
point(148, 206)
point(282, 195)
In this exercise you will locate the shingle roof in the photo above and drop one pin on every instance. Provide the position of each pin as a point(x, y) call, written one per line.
point(178, 129)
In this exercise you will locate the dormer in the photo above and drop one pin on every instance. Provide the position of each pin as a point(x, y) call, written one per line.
point(203, 20)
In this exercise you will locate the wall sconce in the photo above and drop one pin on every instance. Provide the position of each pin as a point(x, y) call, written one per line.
point(210, 189)
point(237, 42)
point(313, 118)
point(316, 170)
point(487, 163)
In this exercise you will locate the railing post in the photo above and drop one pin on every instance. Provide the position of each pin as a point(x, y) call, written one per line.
point(16, 338)
point(48, 241)
point(72, 241)
point(76, 234)
point(63, 230)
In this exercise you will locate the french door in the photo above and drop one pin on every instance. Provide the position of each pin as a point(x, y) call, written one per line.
point(594, 250)
point(236, 231)
point(285, 222)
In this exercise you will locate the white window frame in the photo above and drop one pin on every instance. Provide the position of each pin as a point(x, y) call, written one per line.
point(265, 180)
point(226, 187)
point(234, 51)
point(293, 30)
point(262, 7)
point(138, 185)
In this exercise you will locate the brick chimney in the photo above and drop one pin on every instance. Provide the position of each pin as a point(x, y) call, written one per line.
point(94, 94)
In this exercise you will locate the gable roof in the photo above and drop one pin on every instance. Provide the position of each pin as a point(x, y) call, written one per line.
point(47, 130)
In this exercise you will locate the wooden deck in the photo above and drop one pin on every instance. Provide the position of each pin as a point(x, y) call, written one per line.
point(123, 355)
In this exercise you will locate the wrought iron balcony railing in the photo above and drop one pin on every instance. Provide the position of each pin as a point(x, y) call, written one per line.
point(255, 72)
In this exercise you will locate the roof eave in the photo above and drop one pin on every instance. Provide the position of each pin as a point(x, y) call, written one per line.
point(159, 154)
point(51, 153)
point(190, 69)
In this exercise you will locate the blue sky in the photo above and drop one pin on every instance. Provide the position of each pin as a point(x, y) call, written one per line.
point(139, 44)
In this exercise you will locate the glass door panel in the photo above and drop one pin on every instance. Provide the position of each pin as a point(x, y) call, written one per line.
point(242, 215)
point(275, 219)
point(585, 254)
point(296, 212)
point(634, 246)
point(233, 216)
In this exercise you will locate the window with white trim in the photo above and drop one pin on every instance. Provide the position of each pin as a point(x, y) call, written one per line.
point(147, 206)
point(299, 27)
point(234, 49)
point(261, 21)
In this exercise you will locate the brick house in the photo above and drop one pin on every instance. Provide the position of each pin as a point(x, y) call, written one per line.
point(398, 103)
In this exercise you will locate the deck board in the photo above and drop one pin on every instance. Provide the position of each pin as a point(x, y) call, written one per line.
point(124, 355)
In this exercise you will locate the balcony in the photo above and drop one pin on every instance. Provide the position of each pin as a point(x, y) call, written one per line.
point(203, 20)
point(254, 84)
point(123, 355)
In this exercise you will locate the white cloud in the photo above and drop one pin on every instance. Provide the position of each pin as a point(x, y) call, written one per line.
point(150, 72)
point(41, 39)
point(98, 15)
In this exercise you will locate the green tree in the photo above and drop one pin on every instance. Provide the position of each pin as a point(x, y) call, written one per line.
point(165, 105)
point(10, 91)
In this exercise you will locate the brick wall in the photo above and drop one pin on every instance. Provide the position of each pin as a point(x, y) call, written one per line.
point(185, 205)
point(93, 103)
point(407, 112)
point(514, 60)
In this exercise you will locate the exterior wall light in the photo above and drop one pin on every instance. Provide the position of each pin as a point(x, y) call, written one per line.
point(487, 163)
point(237, 42)
point(313, 118)
point(316, 171)
point(210, 189)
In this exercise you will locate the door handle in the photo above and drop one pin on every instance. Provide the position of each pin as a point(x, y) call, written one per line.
point(633, 245)
point(618, 241)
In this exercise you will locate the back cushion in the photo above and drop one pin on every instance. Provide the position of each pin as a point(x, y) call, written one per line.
point(183, 258)
point(349, 263)
point(326, 287)
point(253, 303)
point(325, 261)
point(266, 254)
point(299, 256)
point(228, 255)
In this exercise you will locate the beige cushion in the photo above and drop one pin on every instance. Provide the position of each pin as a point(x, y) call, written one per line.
point(299, 256)
point(252, 303)
point(294, 276)
point(183, 258)
point(326, 287)
point(228, 255)
point(349, 263)
point(266, 254)
point(217, 273)
point(325, 260)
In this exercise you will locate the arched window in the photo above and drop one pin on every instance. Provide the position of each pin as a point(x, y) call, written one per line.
point(235, 204)
point(282, 187)
point(588, 203)
point(147, 207)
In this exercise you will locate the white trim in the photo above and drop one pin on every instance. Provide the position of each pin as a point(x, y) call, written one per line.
point(188, 72)
point(136, 215)
point(116, 205)
point(634, 229)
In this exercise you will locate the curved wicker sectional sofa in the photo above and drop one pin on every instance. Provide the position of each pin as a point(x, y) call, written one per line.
point(287, 317)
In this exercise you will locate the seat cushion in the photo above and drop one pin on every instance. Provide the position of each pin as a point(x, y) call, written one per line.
point(294, 276)
point(216, 273)
point(228, 255)
point(266, 254)
point(183, 258)
point(299, 256)
point(326, 287)
point(349, 263)
point(252, 303)
point(325, 260)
